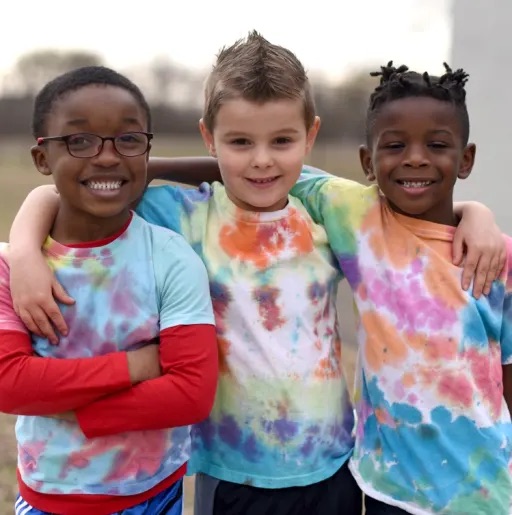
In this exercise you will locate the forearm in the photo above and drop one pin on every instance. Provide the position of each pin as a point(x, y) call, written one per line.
point(186, 170)
point(32, 385)
point(34, 220)
point(183, 395)
point(468, 206)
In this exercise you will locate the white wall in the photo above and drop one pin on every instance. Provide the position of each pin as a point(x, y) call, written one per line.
point(482, 45)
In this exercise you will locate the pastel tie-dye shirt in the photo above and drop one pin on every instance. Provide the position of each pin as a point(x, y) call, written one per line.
point(125, 294)
point(433, 432)
point(282, 415)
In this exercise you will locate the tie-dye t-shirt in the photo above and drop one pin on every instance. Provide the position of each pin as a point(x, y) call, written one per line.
point(125, 294)
point(282, 415)
point(433, 431)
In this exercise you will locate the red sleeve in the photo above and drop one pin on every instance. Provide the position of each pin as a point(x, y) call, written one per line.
point(183, 395)
point(32, 385)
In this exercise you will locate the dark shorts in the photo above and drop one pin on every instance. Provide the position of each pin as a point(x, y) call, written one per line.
point(168, 502)
point(337, 495)
point(374, 507)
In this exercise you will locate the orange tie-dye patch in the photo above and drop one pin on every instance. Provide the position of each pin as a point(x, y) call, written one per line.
point(261, 244)
point(398, 248)
point(384, 344)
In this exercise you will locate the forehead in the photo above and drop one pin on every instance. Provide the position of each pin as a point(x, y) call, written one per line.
point(248, 116)
point(97, 104)
point(417, 113)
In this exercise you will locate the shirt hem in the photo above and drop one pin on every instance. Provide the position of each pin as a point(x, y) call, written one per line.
point(379, 496)
point(233, 476)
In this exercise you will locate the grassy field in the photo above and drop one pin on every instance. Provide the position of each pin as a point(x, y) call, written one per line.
point(18, 177)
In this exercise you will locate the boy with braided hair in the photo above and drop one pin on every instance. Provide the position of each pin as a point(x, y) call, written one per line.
point(433, 429)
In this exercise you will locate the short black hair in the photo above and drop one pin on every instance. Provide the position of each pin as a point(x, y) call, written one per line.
point(76, 79)
point(398, 83)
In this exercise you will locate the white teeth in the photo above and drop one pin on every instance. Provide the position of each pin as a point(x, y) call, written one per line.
point(100, 185)
point(262, 181)
point(416, 184)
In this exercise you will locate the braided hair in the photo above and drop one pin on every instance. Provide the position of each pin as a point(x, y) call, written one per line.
point(398, 83)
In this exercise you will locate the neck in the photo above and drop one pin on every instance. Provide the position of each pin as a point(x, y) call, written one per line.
point(439, 214)
point(78, 227)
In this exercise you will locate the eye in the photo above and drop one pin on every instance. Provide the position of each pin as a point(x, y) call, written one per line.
point(78, 141)
point(131, 140)
point(282, 140)
point(438, 144)
point(394, 145)
point(240, 141)
point(131, 137)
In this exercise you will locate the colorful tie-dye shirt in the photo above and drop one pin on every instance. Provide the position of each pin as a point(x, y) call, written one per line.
point(126, 293)
point(433, 431)
point(282, 415)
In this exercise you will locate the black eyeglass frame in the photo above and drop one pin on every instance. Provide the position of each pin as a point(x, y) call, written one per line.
point(67, 137)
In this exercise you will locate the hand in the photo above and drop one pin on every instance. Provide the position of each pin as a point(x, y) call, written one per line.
point(481, 240)
point(34, 292)
point(144, 363)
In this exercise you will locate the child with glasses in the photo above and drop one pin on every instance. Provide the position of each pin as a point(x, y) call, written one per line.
point(280, 433)
point(104, 417)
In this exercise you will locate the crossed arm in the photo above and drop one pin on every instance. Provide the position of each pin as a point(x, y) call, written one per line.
point(155, 387)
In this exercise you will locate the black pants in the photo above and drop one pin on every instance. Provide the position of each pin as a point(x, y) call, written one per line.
point(374, 507)
point(337, 495)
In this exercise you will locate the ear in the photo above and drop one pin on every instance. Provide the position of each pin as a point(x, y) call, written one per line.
point(207, 138)
point(365, 156)
point(467, 162)
point(40, 160)
point(312, 133)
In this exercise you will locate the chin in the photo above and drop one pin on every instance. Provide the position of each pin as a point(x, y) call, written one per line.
point(105, 212)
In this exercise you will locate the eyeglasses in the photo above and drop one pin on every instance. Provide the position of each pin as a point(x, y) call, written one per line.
point(82, 145)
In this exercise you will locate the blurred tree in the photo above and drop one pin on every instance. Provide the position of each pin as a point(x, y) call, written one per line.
point(33, 70)
point(342, 107)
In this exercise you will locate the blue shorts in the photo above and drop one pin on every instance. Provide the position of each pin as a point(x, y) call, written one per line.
point(168, 502)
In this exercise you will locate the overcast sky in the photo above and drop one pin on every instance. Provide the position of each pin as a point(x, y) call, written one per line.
point(331, 39)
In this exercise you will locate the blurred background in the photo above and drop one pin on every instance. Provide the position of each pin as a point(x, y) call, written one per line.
point(167, 49)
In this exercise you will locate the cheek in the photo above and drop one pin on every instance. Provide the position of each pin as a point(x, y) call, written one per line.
point(292, 161)
point(138, 167)
point(233, 163)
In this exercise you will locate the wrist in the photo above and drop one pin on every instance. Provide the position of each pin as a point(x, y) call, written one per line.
point(134, 370)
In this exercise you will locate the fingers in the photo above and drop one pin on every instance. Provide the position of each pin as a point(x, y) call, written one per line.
point(458, 250)
point(469, 270)
point(60, 293)
point(37, 322)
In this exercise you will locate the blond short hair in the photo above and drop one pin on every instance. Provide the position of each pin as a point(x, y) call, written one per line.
point(258, 71)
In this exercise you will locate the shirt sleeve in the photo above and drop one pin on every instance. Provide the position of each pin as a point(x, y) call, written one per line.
point(506, 328)
point(174, 207)
point(340, 205)
point(31, 385)
point(182, 284)
point(183, 395)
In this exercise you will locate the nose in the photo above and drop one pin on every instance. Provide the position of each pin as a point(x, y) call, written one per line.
point(108, 157)
point(416, 157)
point(262, 157)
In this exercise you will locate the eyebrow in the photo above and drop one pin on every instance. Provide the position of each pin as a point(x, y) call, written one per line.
point(78, 122)
point(393, 132)
point(290, 130)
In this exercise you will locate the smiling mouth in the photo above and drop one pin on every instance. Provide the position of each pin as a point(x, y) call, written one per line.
point(415, 184)
point(104, 185)
point(266, 180)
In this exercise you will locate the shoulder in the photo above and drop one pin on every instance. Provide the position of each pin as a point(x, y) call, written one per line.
point(167, 192)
